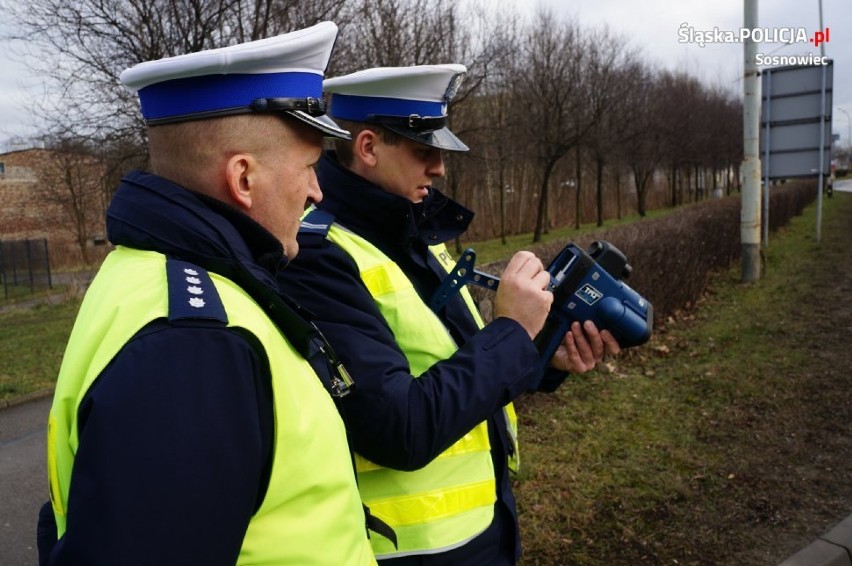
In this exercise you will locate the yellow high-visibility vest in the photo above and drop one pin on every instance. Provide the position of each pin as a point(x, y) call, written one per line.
point(451, 500)
point(311, 513)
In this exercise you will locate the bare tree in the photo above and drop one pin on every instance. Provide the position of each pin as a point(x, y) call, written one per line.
point(724, 140)
point(489, 116)
point(534, 90)
point(394, 33)
point(71, 179)
point(495, 116)
point(551, 87)
point(608, 60)
point(641, 135)
point(81, 47)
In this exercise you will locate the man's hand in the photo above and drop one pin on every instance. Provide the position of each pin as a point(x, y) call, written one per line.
point(522, 294)
point(584, 348)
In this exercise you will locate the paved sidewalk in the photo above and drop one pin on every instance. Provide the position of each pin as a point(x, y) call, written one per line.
point(23, 430)
point(834, 548)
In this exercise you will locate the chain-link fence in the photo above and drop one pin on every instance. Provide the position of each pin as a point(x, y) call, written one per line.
point(24, 267)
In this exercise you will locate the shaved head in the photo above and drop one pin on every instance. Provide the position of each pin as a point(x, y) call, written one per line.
point(193, 154)
point(260, 164)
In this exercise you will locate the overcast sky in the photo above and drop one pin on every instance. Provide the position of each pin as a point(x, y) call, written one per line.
point(653, 26)
point(16, 86)
point(650, 25)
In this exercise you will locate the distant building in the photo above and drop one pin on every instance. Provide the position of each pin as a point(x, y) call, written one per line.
point(57, 196)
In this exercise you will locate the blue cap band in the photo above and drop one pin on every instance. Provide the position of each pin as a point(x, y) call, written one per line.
point(358, 108)
point(211, 93)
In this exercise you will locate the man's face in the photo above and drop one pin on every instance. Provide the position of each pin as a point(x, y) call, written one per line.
point(289, 183)
point(407, 168)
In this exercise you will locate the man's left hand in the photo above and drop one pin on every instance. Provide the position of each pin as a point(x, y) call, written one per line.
point(583, 348)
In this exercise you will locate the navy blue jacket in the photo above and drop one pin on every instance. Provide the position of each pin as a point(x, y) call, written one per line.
point(176, 433)
point(393, 419)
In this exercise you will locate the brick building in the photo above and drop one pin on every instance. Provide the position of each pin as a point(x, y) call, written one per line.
point(55, 195)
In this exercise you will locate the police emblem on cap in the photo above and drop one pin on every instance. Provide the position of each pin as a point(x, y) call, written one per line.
point(453, 87)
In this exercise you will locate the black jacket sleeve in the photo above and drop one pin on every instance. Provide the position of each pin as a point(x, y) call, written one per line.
point(396, 419)
point(173, 451)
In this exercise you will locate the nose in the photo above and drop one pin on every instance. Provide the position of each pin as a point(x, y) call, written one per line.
point(314, 190)
point(435, 167)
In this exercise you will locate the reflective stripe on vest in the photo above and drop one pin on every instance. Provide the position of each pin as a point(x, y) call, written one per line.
point(311, 513)
point(447, 262)
point(451, 500)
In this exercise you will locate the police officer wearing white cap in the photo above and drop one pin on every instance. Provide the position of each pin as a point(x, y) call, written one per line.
point(194, 419)
point(432, 421)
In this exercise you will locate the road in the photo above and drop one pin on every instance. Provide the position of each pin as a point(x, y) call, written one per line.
point(844, 185)
point(24, 479)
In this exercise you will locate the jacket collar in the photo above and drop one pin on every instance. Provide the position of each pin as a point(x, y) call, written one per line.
point(151, 213)
point(368, 210)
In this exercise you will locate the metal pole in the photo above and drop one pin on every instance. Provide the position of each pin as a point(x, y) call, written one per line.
point(15, 245)
point(30, 265)
point(47, 264)
point(750, 214)
point(767, 142)
point(821, 135)
point(821, 155)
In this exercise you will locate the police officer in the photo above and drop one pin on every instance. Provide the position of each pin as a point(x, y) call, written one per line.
point(192, 421)
point(431, 421)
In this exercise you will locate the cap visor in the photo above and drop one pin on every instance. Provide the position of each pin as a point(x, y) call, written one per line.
point(322, 123)
point(442, 139)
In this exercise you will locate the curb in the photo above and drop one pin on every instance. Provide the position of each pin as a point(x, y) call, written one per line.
point(834, 548)
point(21, 399)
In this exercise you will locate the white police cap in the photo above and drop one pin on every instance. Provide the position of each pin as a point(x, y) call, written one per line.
point(278, 74)
point(411, 101)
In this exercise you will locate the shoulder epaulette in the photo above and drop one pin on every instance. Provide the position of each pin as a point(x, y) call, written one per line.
point(192, 294)
point(317, 222)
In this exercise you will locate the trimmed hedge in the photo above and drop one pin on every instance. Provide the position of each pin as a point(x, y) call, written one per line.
point(673, 255)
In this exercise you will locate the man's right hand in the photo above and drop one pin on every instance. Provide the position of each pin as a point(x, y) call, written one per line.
point(522, 294)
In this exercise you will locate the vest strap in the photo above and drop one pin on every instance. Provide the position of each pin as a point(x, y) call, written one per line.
point(380, 527)
point(294, 322)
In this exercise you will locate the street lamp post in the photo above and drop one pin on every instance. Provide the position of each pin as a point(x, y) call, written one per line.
point(750, 198)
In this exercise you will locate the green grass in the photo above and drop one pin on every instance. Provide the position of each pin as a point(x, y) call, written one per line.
point(613, 456)
point(32, 342)
point(13, 294)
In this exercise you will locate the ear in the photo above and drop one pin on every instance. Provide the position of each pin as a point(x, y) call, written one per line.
point(239, 174)
point(364, 147)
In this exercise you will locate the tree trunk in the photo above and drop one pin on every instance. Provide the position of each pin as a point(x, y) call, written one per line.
point(502, 189)
point(618, 193)
point(673, 186)
point(599, 189)
point(542, 200)
point(641, 191)
point(577, 202)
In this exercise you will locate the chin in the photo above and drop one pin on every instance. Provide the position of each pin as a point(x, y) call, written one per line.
point(291, 249)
